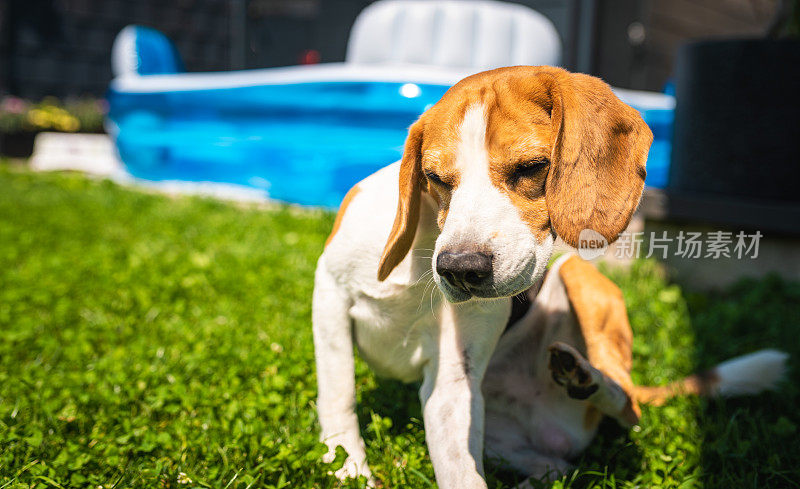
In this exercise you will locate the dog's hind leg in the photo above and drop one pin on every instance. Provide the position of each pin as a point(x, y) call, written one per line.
point(602, 319)
point(333, 346)
point(585, 382)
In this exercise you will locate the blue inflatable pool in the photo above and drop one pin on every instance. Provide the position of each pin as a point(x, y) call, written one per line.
point(305, 143)
point(302, 134)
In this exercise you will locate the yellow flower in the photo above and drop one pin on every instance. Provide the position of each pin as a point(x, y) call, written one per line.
point(39, 118)
point(66, 123)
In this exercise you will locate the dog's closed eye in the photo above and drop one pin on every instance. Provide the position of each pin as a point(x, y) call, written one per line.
point(437, 180)
point(529, 169)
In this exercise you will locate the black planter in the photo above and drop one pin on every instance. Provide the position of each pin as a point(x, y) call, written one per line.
point(737, 120)
point(17, 144)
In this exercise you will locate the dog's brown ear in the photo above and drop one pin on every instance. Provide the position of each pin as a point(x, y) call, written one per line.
point(598, 160)
point(405, 221)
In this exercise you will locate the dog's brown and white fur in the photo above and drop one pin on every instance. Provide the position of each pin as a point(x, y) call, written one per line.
point(503, 163)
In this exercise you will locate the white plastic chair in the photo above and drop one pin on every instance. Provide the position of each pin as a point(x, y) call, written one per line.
point(470, 35)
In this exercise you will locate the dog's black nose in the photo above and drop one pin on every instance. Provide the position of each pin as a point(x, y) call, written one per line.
point(464, 270)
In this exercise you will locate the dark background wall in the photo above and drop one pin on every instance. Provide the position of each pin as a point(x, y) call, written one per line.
point(62, 47)
point(637, 40)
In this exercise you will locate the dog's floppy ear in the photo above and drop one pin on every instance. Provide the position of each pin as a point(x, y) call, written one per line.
point(405, 221)
point(598, 160)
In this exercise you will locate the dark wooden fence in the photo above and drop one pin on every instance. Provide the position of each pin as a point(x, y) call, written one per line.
point(62, 47)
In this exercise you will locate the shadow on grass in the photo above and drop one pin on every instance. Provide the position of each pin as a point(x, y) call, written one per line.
point(749, 441)
point(390, 399)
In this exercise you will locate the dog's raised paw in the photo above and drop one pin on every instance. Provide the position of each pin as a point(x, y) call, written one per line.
point(571, 370)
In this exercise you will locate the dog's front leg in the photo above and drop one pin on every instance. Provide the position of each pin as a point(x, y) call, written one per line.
point(452, 401)
point(336, 403)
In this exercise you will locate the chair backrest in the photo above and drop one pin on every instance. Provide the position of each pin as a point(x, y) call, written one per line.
point(458, 34)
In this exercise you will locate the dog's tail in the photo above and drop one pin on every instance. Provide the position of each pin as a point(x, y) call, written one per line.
point(745, 375)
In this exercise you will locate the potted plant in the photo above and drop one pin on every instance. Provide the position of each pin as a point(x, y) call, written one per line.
point(21, 120)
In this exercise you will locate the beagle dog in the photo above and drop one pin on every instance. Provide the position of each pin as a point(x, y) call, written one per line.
point(426, 255)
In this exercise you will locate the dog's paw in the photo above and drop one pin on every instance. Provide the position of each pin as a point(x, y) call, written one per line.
point(571, 370)
point(355, 462)
point(352, 469)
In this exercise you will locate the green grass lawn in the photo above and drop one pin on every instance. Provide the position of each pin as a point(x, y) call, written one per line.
point(149, 341)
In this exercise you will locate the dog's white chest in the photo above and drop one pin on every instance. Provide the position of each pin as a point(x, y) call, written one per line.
point(395, 339)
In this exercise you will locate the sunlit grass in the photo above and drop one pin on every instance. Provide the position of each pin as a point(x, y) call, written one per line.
point(148, 341)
